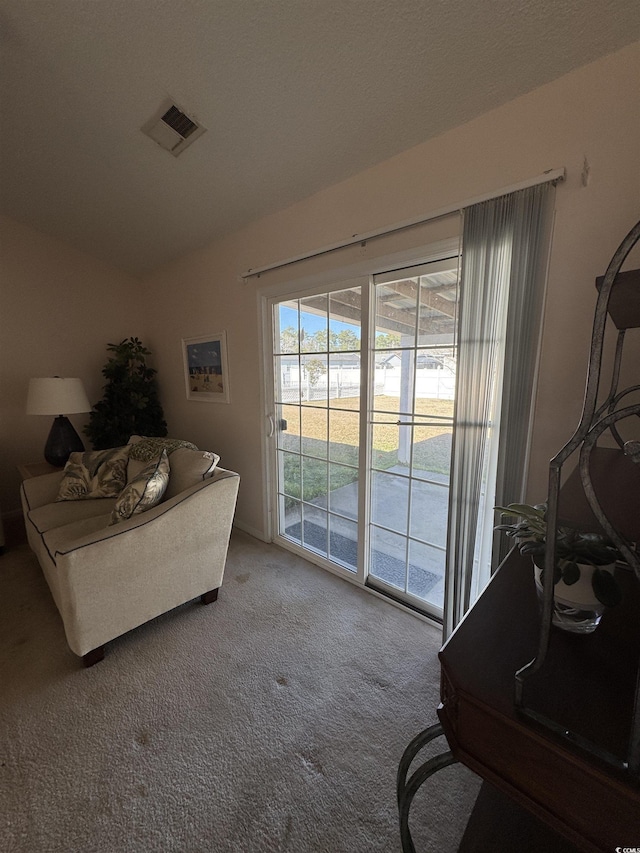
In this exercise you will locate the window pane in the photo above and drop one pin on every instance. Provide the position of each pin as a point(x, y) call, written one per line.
point(314, 431)
point(313, 323)
point(344, 434)
point(287, 379)
point(436, 407)
point(383, 401)
point(426, 572)
point(314, 480)
point(314, 370)
point(288, 428)
point(287, 320)
point(438, 307)
point(290, 474)
point(429, 512)
point(343, 542)
point(390, 501)
point(435, 374)
point(343, 490)
point(388, 557)
point(390, 446)
point(395, 380)
point(314, 529)
point(344, 320)
point(432, 452)
point(291, 518)
point(344, 380)
point(396, 313)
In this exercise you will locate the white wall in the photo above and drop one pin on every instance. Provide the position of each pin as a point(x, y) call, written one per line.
point(593, 113)
point(60, 308)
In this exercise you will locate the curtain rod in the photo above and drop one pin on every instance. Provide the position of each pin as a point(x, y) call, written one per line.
point(551, 175)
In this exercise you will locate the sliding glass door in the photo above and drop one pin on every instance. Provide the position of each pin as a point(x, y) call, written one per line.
point(415, 354)
point(363, 395)
point(318, 402)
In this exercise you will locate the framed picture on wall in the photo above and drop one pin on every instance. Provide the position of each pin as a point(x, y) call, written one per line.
point(206, 370)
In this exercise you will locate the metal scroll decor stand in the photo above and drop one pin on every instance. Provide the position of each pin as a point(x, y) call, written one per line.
point(408, 787)
point(595, 421)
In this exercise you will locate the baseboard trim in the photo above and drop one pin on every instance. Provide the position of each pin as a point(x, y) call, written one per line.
point(252, 531)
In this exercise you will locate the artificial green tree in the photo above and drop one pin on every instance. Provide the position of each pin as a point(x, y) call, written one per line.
point(131, 404)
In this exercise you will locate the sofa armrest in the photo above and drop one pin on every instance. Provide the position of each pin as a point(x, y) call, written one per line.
point(38, 491)
point(127, 573)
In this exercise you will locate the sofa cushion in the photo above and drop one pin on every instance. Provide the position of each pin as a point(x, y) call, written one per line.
point(94, 474)
point(189, 467)
point(145, 491)
point(62, 539)
point(53, 515)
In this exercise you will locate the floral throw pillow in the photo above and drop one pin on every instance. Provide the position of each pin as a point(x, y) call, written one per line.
point(147, 449)
point(94, 474)
point(144, 491)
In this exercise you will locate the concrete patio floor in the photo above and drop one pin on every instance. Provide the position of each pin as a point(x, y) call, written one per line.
point(389, 512)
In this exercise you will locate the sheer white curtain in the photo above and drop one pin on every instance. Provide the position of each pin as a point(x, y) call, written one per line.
point(504, 258)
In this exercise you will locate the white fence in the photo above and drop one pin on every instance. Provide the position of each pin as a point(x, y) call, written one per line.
point(438, 383)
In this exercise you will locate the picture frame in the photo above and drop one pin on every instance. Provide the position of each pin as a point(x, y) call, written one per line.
point(206, 369)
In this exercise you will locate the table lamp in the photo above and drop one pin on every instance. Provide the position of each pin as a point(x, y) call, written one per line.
point(53, 395)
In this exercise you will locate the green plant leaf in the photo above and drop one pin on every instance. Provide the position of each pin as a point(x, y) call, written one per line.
point(131, 401)
point(605, 588)
point(522, 510)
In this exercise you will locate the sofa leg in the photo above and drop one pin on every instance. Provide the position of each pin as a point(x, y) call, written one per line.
point(93, 657)
point(209, 597)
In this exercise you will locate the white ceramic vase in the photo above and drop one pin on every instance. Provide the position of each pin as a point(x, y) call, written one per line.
point(575, 606)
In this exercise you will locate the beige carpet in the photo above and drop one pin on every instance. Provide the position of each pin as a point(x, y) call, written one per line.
point(272, 720)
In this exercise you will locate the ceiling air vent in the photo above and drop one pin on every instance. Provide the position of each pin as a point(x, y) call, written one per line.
point(172, 129)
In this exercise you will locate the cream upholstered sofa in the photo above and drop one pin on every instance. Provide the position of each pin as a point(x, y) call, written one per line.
point(109, 574)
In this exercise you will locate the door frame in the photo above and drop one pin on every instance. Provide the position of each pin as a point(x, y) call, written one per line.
point(336, 279)
point(268, 301)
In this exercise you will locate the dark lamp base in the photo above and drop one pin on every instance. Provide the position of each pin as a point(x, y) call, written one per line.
point(63, 440)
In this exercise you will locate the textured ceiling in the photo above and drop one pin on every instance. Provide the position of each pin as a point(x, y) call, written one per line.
point(296, 95)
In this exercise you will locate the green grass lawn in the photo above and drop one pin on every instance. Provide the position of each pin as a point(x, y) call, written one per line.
point(431, 449)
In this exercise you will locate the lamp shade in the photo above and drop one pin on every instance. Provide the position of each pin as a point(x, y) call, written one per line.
point(55, 395)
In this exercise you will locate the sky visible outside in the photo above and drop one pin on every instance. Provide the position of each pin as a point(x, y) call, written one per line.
point(312, 322)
